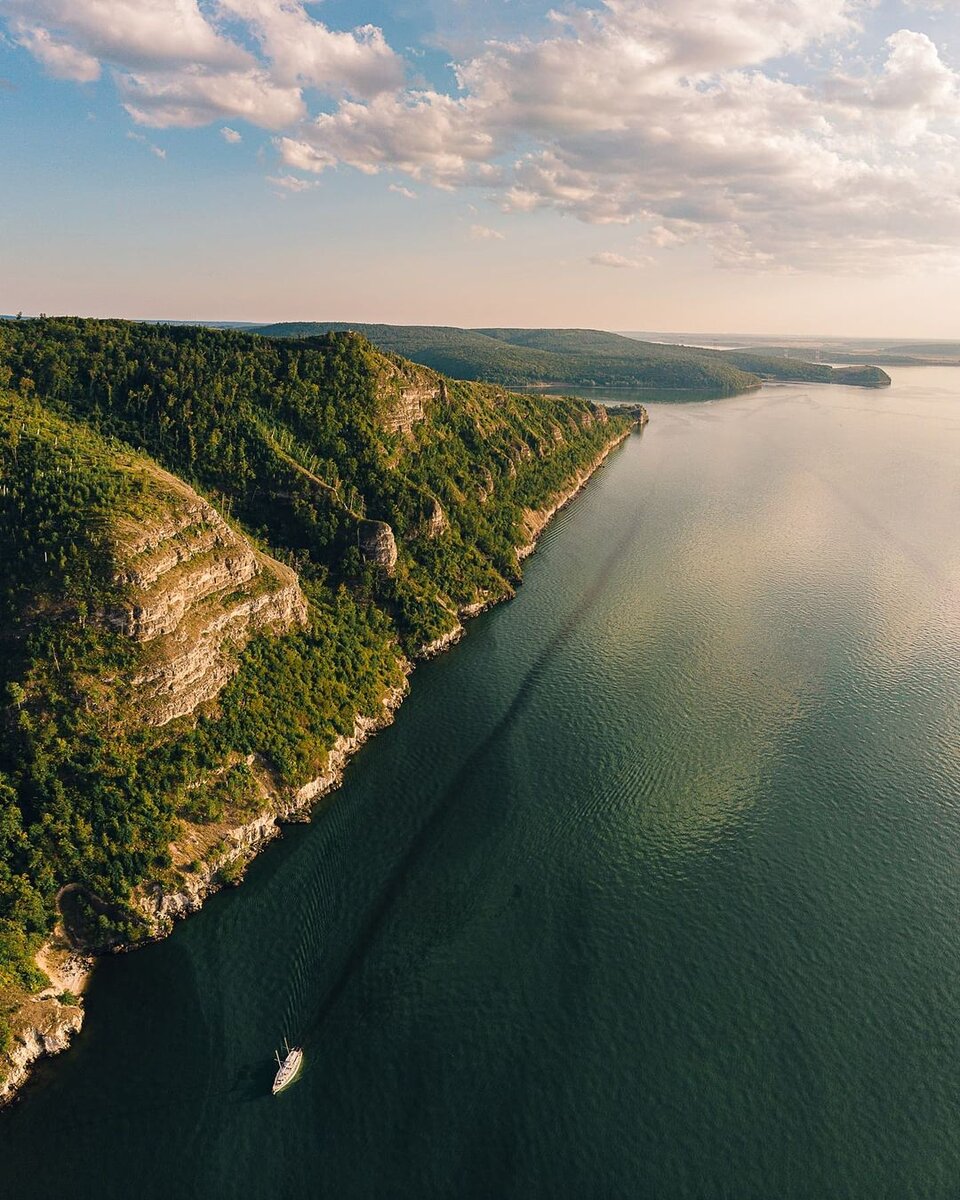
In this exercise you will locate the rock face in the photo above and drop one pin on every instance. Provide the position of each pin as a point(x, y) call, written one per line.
point(195, 593)
point(377, 544)
point(535, 519)
point(436, 520)
point(404, 392)
point(45, 1026)
point(46, 1022)
point(162, 904)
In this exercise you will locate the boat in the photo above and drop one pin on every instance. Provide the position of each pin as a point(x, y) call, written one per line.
point(288, 1068)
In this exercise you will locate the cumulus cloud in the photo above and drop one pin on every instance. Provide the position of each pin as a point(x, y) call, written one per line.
point(231, 135)
point(130, 33)
point(177, 64)
point(303, 51)
point(425, 134)
point(193, 97)
point(483, 233)
point(664, 116)
point(61, 60)
point(765, 130)
point(400, 190)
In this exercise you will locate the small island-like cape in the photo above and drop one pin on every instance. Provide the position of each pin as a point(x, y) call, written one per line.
point(226, 551)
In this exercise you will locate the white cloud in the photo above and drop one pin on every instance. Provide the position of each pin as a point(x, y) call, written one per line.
point(607, 258)
point(194, 96)
point(662, 115)
point(231, 135)
point(424, 134)
point(400, 190)
point(139, 137)
point(133, 33)
point(485, 233)
point(291, 183)
point(765, 130)
point(177, 63)
point(304, 51)
point(62, 60)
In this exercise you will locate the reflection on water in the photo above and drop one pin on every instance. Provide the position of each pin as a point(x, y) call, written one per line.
point(651, 890)
point(631, 395)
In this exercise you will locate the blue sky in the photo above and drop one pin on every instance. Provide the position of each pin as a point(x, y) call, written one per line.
point(740, 165)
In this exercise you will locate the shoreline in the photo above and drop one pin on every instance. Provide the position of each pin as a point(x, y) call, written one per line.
point(55, 1015)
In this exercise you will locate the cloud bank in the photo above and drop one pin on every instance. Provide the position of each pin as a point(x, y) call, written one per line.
point(753, 127)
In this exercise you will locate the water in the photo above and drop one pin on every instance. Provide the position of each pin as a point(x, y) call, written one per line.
point(653, 889)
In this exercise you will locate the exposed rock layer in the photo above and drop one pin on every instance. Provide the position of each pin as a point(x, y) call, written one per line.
point(377, 544)
point(196, 592)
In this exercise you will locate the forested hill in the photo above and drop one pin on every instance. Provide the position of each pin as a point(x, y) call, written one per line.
point(218, 549)
point(581, 357)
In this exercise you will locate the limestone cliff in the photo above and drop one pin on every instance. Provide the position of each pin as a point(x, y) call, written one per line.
point(535, 519)
point(45, 1023)
point(205, 857)
point(405, 392)
point(377, 544)
point(195, 592)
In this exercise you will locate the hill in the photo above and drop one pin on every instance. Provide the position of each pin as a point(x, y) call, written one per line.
point(578, 357)
point(222, 552)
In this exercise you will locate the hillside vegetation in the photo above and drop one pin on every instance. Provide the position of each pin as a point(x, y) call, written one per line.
point(330, 507)
point(579, 357)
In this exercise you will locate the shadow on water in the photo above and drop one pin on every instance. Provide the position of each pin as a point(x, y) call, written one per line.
point(394, 885)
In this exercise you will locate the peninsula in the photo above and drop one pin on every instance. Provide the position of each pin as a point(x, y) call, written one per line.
point(223, 555)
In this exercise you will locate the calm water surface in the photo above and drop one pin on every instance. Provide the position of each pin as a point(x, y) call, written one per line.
point(653, 889)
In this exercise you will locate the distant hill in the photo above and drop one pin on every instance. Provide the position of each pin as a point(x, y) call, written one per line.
point(579, 357)
point(880, 352)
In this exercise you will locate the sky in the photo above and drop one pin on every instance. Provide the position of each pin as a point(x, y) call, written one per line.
point(741, 166)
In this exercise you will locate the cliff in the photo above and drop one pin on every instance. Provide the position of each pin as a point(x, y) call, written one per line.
point(535, 520)
point(194, 592)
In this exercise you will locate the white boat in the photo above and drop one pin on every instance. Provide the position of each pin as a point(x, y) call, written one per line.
point(288, 1068)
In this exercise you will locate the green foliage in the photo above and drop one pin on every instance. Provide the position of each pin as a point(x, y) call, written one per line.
point(584, 357)
point(296, 443)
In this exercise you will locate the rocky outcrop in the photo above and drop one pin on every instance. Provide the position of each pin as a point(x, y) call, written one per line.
point(195, 592)
point(377, 544)
point(637, 411)
point(44, 1026)
point(485, 486)
point(435, 522)
point(405, 392)
point(164, 902)
point(535, 519)
point(46, 1022)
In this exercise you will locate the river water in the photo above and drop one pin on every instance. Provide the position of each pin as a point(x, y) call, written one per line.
point(652, 890)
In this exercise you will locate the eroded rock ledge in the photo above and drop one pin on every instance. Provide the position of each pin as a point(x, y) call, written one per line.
point(196, 592)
